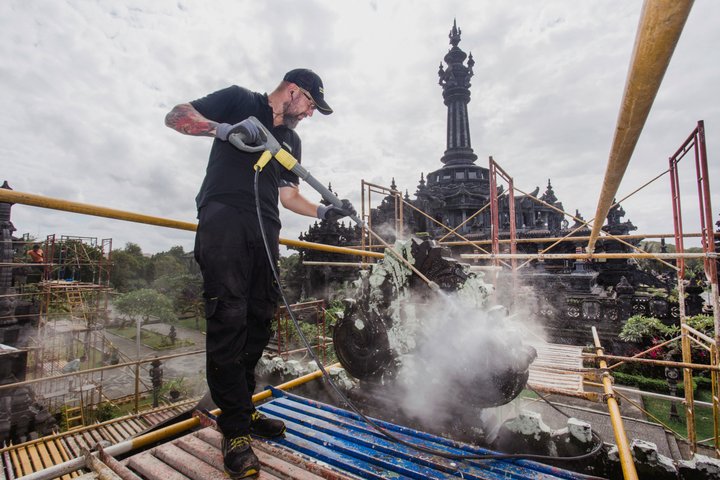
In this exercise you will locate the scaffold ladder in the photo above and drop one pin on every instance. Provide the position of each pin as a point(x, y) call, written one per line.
point(76, 302)
point(74, 417)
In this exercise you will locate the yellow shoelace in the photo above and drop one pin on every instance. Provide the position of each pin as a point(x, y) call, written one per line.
point(239, 442)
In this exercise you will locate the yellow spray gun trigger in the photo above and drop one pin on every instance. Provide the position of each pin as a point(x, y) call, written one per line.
point(265, 143)
point(263, 160)
point(282, 156)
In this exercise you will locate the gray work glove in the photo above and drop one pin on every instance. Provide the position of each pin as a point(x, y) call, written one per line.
point(247, 129)
point(332, 213)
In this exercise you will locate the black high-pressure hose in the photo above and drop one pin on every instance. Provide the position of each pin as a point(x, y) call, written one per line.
point(369, 421)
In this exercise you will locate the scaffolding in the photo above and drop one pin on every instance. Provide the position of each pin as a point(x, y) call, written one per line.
point(73, 298)
point(500, 260)
point(367, 189)
point(313, 313)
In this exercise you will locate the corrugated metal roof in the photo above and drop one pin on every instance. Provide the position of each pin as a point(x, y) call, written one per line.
point(323, 441)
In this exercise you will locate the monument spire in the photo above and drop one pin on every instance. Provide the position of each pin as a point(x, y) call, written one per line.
point(455, 82)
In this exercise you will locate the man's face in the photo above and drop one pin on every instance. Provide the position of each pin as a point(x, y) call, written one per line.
point(298, 107)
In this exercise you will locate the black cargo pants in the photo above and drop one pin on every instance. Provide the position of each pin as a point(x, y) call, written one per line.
point(240, 301)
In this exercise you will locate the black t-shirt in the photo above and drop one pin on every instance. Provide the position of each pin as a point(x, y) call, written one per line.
point(229, 176)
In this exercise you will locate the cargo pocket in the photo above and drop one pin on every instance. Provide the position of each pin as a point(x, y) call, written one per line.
point(211, 307)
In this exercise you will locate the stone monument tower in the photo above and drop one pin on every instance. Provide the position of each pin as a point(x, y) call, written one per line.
point(455, 82)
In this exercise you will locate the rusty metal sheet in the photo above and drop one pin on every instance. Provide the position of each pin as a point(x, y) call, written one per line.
point(208, 441)
point(201, 449)
point(121, 470)
point(125, 428)
point(300, 468)
point(187, 464)
point(96, 436)
point(307, 463)
point(72, 445)
point(274, 464)
point(108, 432)
point(151, 468)
point(7, 460)
point(119, 429)
point(103, 471)
point(85, 440)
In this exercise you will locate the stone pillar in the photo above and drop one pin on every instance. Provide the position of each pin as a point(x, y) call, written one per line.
point(7, 292)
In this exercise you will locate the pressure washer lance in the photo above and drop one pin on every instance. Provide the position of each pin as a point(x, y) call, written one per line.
point(271, 148)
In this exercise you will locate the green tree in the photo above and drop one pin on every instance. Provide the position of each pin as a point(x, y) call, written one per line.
point(178, 252)
point(693, 266)
point(647, 331)
point(185, 291)
point(129, 268)
point(145, 303)
point(639, 328)
point(166, 265)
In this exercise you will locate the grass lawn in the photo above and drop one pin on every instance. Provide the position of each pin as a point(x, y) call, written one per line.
point(703, 415)
point(151, 339)
point(192, 324)
point(129, 407)
point(528, 394)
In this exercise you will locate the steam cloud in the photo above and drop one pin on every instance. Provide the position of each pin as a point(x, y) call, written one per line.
point(459, 342)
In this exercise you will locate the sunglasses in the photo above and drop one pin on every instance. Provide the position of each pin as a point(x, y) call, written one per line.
point(309, 97)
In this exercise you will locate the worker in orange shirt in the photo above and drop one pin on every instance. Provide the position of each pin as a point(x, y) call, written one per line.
point(37, 255)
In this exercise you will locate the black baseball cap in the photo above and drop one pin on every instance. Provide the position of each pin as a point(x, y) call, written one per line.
point(310, 81)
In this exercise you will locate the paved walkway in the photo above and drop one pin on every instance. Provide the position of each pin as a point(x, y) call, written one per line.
point(191, 367)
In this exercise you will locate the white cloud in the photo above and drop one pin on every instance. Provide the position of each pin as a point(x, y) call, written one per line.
point(84, 87)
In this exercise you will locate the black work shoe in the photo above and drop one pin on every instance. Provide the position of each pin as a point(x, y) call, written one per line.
point(239, 459)
point(265, 427)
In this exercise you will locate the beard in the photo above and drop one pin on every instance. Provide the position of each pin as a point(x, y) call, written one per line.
point(291, 117)
point(290, 121)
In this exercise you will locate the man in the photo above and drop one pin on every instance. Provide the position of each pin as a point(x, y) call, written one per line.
point(240, 294)
point(36, 254)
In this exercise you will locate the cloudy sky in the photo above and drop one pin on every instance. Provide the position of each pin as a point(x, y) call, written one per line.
point(85, 86)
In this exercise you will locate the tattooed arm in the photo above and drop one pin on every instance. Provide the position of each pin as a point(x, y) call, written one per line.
point(185, 119)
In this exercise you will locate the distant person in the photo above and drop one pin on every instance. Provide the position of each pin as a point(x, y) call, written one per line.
point(239, 290)
point(36, 254)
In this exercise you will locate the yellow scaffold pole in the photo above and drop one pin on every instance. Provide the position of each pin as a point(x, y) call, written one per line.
point(661, 22)
point(621, 440)
point(12, 196)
